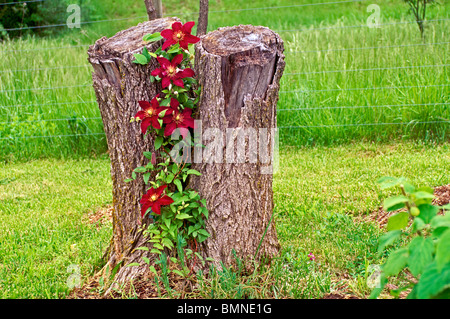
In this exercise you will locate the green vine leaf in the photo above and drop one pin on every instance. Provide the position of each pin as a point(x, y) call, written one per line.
point(152, 37)
point(421, 254)
point(177, 182)
point(443, 250)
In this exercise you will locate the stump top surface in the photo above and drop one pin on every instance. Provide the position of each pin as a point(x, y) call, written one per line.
point(230, 40)
point(130, 40)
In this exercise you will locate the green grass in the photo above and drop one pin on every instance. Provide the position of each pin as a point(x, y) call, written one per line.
point(44, 228)
point(47, 92)
point(321, 196)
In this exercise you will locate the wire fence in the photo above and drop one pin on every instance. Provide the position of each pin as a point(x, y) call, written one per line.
point(293, 51)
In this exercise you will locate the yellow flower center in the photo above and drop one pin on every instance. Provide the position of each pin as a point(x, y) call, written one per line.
point(154, 197)
point(171, 70)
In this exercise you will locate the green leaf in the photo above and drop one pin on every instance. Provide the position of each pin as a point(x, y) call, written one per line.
point(398, 221)
point(427, 212)
point(433, 282)
point(418, 224)
point(203, 232)
point(152, 269)
point(443, 250)
point(167, 222)
point(421, 197)
point(408, 187)
point(152, 37)
point(179, 273)
point(128, 180)
point(140, 59)
point(396, 262)
point(177, 182)
point(158, 142)
point(140, 169)
point(174, 48)
point(146, 177)
point(142, 248)
point(388, 239)
point(146, 260)
point(148, 155)
point(394, 203)
point(420, 254)
point(167, 242)
point(155, 251)
point(133, 264)
point(183, 216)
point(427, 189)
point(194, 172)
point(440, 221)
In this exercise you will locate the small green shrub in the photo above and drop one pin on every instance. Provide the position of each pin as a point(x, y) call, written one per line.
point(427, 253)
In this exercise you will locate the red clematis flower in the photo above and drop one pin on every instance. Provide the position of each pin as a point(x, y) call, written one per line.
point(169, 71)
point(149, 114)
point(177, 119)
point(179, 34)
point(154, 199)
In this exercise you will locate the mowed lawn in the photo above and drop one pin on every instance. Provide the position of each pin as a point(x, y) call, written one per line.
point(322, 197)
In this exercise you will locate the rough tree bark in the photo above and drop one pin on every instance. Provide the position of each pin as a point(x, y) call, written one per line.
point(202, 24)
point(239, 69)
point(119, 84)
point(154, 9)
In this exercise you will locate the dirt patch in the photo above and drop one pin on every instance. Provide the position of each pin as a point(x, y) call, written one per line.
point(442, 194)
point(381, 217)
point(102, 216)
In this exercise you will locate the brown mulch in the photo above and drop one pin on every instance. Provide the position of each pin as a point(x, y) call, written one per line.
point(442, 194)
point(102, 216)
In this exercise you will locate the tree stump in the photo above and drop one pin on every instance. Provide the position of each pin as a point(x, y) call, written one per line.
point(119, 84)
point(239, 69)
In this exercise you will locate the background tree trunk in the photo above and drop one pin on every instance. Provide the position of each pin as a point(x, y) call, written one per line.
point(119, 84)
point(239, 69)
point(154, 9)
point(202, 24)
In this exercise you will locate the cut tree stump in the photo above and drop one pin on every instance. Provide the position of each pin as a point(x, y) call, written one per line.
point(119, 84)
point(239, 69)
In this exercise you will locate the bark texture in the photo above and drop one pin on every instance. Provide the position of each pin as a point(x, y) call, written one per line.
point(239, 69)
point(119, 84)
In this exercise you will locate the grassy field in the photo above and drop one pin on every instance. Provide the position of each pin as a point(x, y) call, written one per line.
point(343, 81)
point(323, 197)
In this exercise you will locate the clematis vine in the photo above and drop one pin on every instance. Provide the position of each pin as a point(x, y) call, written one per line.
point(169, 71)
point(179, 34)
point(178, 119)
point(176, 209)
point(149, 114)
point(154, 199)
